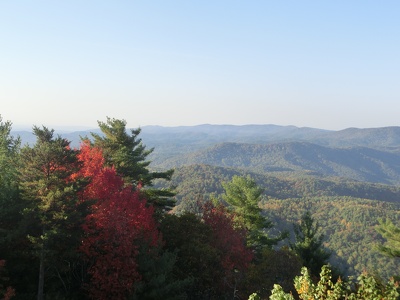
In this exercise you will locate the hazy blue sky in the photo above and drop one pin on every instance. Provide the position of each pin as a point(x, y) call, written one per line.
point(325, 64)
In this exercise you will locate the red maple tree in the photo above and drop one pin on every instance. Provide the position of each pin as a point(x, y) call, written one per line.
point(118, 223)
point(229, 240)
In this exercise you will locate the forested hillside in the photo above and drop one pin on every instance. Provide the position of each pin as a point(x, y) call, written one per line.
point(212, 211)
point(348, 224)
point(346, 210)
point(205, 180)
point(363, 164)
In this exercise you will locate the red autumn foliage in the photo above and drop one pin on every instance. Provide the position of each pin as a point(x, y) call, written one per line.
point(119, 221)
point(230, 241)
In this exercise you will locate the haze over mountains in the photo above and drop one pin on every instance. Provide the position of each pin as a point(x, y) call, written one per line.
point(371, 154)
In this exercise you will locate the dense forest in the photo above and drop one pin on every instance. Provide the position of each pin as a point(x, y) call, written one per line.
point(222, 218)
point(347, 210)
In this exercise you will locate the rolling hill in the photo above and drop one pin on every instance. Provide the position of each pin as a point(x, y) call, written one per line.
point(361, 154)
point(201, 136)
point(347, 210)
point(358, 163)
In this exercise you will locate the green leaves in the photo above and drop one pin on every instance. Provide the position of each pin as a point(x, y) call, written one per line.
point(51, 199)
point(243, 194)
point(309, 245)
point(124, 151)
point(276, 294)
point(9, 154)
point(129, 157)
point(366, 288)
point(392, 235)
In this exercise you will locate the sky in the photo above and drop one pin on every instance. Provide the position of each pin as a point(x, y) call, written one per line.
point(322, 64)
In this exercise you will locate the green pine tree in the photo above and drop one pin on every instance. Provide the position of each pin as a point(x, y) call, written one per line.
point(244, 195)
point(10, 205)
point(309, 244)
point(51, 202)
point(128, 155)
point(158, 280)
point(392, 235)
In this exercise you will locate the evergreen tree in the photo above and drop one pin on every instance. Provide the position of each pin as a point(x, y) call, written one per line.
point(309, 245)
point(158, 280)
point(9, 202)
point(13, 240)
point(128, 155)
point(243, 194)
point(392, 235)
point(273, 266)
point(197, 259)
point(50, 197)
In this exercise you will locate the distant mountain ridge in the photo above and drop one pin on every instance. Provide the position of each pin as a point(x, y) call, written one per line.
point(379, 138)
point(371, 154)
point(387, 138)
point(205, 135)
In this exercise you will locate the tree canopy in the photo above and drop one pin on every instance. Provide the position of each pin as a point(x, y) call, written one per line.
point(50, 197)
point(244, 195)
point(128, 155)
point(391, 233)
point(308, 244)
point(119, 222)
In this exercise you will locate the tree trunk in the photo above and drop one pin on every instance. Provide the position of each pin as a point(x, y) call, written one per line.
point(40, 295)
